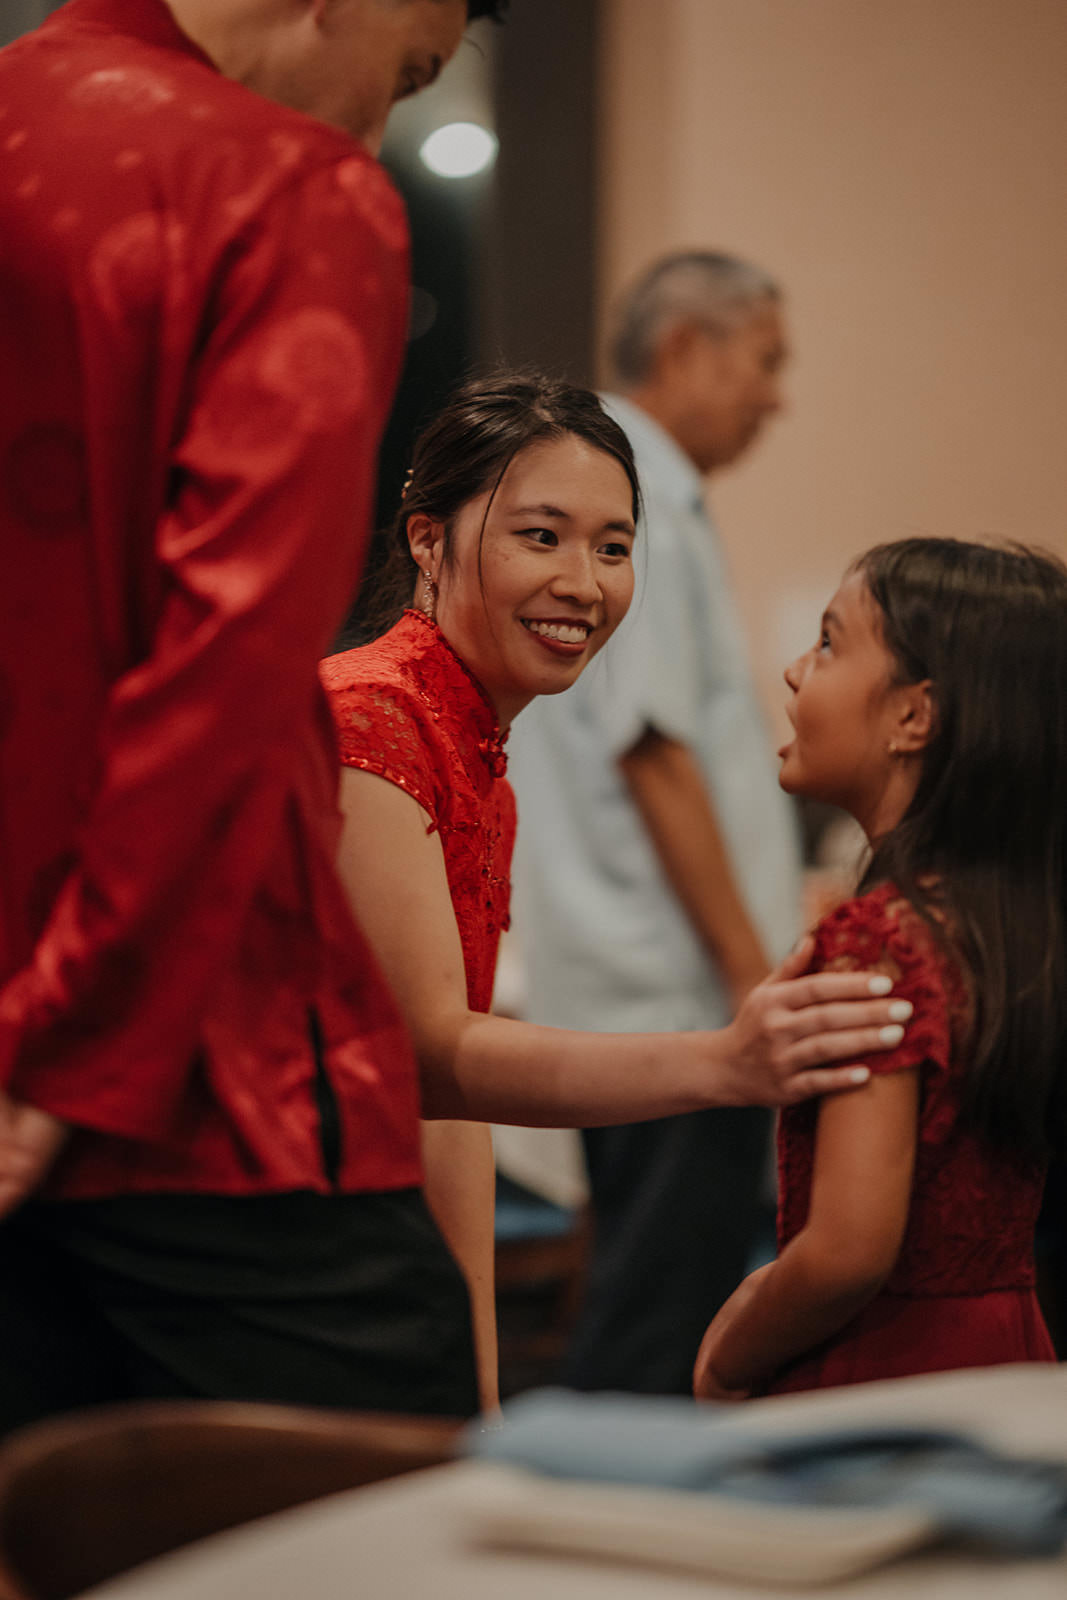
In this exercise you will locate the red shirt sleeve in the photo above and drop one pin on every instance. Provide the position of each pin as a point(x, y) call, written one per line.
point(204, 748)
point(879, 933)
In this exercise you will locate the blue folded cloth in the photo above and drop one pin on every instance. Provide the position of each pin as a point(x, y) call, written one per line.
point(1013, 1505)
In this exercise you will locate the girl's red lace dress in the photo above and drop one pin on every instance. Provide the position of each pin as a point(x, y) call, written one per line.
point(962, 1291)
point(405, 707)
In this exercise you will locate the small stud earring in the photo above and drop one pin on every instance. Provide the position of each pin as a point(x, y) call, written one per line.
point(428, 601)
point(892, 747)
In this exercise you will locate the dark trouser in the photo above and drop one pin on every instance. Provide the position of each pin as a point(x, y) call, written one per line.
point(1051, 1251)
point(676, 1209)
point(345, 1301)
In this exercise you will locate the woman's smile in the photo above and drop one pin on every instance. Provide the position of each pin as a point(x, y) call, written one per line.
point(561, 635)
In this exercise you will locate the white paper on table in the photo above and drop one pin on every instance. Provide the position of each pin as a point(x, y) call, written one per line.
point(509, 1507)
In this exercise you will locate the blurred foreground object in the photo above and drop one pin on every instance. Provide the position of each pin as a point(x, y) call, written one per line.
point(637, 1478)
point(85, 1498)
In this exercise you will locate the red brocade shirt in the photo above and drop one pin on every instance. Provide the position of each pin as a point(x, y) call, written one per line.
point(970, 1228)
point(407, 709)
point(203, 304)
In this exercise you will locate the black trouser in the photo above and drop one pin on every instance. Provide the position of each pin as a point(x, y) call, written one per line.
point(346, 1301)
point(676, 1209)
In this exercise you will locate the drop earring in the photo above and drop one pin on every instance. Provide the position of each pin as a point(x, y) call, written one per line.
point(428, 602)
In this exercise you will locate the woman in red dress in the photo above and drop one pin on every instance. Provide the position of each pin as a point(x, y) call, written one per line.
point(515, 540)
point(934, 709)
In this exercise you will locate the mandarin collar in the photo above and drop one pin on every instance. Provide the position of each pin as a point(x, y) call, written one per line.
point(488, 738)
point(150, 21)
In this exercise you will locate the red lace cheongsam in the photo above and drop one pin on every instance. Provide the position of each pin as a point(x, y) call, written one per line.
point(962, 1291)
point(407, 709)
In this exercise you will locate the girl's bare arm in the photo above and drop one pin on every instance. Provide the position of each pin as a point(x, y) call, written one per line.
point(861, 1192)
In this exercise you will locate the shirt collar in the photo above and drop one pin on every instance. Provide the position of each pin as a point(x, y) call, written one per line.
point(675, 474)
point(150, 21)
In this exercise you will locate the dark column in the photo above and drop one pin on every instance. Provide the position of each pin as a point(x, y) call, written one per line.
point(540, 247)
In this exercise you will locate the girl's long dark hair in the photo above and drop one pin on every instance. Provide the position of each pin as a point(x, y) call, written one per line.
point(981, 850)
point(468, 448)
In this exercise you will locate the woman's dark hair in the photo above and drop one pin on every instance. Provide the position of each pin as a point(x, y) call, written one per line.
point(981, 850)
point(468, 448)
point(486, 8)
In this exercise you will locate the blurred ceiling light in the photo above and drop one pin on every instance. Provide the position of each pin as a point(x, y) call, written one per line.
point(459, 150)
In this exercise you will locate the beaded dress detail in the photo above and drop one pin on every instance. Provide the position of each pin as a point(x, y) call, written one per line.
point(406, 708)
point(973, 1209)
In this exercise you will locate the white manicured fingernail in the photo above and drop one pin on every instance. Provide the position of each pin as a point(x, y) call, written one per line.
point(900, 1010)
point(880, 985)
point(891, 1035)
point(859, 1075)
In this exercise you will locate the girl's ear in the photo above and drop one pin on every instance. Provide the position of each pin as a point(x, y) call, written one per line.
point(426, 540)
point(917, 719)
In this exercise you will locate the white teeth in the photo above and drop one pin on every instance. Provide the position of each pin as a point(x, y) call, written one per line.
point(560, 630)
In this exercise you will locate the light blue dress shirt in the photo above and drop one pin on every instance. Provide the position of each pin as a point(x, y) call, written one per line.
point(605, 941)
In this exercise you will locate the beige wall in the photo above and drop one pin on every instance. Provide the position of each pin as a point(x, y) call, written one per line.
point(901, 165)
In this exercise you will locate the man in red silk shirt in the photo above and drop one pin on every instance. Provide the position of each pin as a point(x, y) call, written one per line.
point(203, 306)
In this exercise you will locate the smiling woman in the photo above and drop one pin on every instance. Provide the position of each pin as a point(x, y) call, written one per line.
point(512, 556)
point(515, 539)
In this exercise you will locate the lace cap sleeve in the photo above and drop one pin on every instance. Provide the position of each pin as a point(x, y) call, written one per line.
point(881, 932)
point(384, 728)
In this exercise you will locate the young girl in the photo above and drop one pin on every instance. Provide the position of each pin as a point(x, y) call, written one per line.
point(515, 539)
point(934, 709)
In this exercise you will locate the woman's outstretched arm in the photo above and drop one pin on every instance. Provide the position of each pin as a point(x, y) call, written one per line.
point(486, 1068)
point(861, 1192)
